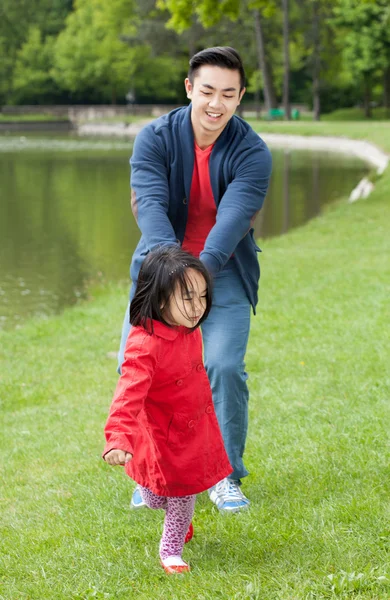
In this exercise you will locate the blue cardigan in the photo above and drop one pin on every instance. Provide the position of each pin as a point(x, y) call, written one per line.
point(161, 174)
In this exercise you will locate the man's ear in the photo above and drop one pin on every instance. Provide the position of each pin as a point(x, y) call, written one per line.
point(241, 95)
point(188, 86)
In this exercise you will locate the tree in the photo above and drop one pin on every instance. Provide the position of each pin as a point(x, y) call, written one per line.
point(316, 60)
point(318, 55)
point(264, 65)
point(184, 12)
point(365, 28)
point(286, 56)
point(32, 80)
point(89, 54)
point(17, 18)
point(102, 54)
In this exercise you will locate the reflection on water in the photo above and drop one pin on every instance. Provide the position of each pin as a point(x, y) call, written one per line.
point(65, 218)
point(302, 182)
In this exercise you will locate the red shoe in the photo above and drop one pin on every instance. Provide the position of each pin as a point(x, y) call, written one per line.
point(189, 534)
point(171, 568)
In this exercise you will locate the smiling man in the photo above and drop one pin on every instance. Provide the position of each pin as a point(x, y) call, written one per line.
point(199, 177)
point(215, 93)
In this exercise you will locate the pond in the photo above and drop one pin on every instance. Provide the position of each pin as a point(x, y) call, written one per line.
point(65, 219)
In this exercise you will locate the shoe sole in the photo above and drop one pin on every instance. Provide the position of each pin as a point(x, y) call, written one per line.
point(136, 506)
point(176, 570)
point(236, 509)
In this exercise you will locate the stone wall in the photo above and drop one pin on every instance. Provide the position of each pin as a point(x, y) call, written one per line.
point(35, 126)
point(77, 113)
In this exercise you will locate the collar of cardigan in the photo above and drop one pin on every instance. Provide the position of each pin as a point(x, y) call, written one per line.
point(164, 331)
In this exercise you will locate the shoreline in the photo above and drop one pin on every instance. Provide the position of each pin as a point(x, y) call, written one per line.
point(364, 150)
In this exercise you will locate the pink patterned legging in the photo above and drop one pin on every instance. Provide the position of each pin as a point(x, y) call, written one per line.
point(178, 515)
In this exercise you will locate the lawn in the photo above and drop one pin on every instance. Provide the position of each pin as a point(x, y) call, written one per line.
point(30, 117)
point(317, 451)
point(377, 132)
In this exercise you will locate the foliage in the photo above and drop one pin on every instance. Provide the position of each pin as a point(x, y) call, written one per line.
point(89, 54)
point(157, 76)
point(32, 78)
point(17, 21)
point(366, 34)
point(97, 51)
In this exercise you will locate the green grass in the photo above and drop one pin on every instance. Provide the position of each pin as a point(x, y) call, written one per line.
point(377, 132)
point(357, 114)
point(32, 117)
point(344, 114)
point(318, 445)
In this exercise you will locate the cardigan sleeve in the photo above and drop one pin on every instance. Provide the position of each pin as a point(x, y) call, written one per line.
point(150, 189)
point(238, 207)
point(141, 357)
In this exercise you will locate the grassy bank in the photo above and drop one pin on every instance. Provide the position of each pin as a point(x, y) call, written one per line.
point(317, 449)
point(121, 119)
point(28, 118)
point(377, 132)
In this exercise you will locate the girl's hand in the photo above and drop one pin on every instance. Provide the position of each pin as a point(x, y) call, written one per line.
point(117, 457)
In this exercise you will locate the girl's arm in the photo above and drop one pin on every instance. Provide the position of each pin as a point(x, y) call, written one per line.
point(141, 356)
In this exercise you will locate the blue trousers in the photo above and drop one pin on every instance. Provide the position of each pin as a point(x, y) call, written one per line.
point(225, 338)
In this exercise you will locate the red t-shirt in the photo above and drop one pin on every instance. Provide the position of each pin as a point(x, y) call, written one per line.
point(202, 210)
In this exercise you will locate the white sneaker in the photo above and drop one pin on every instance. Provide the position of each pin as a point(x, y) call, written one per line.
point(228, 497)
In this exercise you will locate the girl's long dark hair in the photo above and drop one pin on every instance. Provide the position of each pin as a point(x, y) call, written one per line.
point(162, 271)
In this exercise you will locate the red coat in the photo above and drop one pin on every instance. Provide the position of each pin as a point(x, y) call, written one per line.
point(163, 414)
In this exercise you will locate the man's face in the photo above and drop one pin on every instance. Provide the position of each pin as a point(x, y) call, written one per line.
point(215, 95)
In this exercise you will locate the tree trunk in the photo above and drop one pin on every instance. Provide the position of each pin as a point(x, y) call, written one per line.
point(268, 88)
point(367, 96)
point(257, 103)
point(386, 90)
point(192, 38)
point(316, 62)
point(286, 55)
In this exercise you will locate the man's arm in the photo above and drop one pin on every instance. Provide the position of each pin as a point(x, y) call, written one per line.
point(150, 190)
point(241, 201)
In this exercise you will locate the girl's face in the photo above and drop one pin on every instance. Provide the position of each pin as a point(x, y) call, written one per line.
point(188, 306)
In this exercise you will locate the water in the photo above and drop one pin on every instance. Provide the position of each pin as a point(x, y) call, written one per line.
point(65, 216)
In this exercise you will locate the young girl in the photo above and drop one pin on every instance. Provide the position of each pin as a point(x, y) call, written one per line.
point(162, 425)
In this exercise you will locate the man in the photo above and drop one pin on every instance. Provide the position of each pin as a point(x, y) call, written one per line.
point(199, 177)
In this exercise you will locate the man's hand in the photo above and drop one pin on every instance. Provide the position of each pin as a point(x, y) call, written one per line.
point(117, 457)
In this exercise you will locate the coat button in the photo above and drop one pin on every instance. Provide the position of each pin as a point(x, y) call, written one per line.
point(209, 409)
point(199, 368)
point(191, 423)
point(179, 382)
point(184, 200)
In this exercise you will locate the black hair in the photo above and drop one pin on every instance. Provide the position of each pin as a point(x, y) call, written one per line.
point(219, 56)
point(163, 270)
